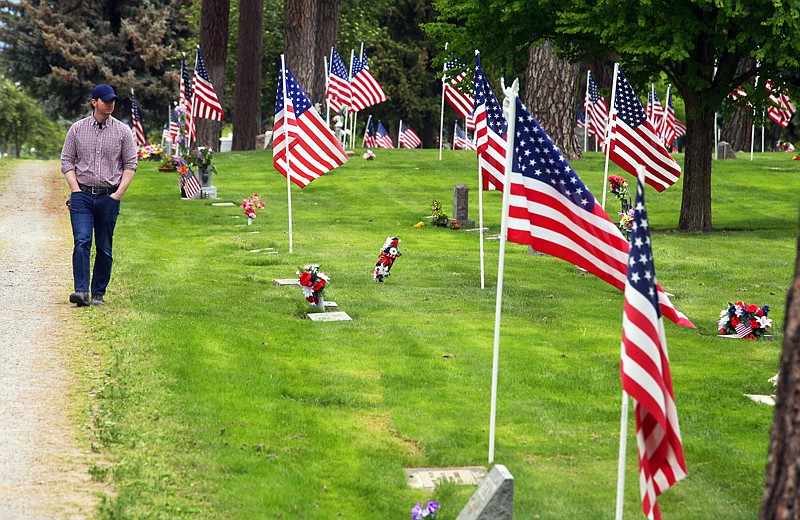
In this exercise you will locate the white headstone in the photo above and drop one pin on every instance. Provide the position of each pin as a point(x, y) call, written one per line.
point(427, 479)
point(329, 316)
point(286, 281)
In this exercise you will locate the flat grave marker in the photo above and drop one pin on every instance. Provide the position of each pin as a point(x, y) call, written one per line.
point(329, 316)
point(286, 281)
point(427, 478)
point(223, 204)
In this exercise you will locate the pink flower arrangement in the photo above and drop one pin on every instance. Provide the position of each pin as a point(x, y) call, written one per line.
point(618, 186)
point(251, 204)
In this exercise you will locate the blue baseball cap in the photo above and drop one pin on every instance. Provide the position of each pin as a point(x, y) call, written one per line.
point(104, 92)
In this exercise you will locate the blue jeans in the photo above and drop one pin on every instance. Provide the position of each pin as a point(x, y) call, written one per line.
point(92, 213)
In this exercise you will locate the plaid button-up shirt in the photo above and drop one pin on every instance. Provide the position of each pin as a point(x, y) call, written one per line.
point(99, 155)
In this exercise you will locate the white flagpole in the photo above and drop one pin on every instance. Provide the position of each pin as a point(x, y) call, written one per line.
point(441, 115)
point(455, 127)
point(623, 421)
point(366, 129)
point(623, 445)
point(327, 82)
point(510, 109)
point(399, 128)
point(762, 137)
point(753, 129)
point(612, 112)
point(480, 204)
point(716, 134)
point(586, 117)
point(286, 141)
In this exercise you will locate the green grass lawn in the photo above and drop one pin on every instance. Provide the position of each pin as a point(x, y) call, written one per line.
point(218, 400)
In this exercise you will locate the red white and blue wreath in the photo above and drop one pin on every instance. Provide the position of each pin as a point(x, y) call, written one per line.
point(389, 252)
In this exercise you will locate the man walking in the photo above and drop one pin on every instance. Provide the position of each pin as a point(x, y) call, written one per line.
point(98, 161)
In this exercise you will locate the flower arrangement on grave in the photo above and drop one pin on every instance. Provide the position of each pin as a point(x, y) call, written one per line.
point(796, 157)
point(202, 159)
point(438, 217)
point(389, 252)
point(149, 152)
point(250, 205)
point(625, 223)
point(618, 187)
point(313, 283)
point(171, 162)
point(418, 512)
point(745, 320)
point(369, 155)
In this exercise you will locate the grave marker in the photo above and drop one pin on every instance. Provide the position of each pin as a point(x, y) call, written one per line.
point(461, 206)
point(329, 316)
point(494, 499)
point(427, 479)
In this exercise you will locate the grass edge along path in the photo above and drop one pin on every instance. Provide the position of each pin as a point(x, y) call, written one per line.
point(219, 401)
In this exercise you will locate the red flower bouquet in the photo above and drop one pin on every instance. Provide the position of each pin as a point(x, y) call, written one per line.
point(313, 283)
point(745, 320)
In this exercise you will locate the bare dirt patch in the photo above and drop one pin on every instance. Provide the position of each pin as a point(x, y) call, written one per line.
point(44, 468)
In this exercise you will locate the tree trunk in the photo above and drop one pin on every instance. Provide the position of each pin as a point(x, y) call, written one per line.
point(696, 203)
point(327, 33)
point(300, 44)
point(781, 499)
point(551, 96)
point(738, 131)
point(247, 91)
point(214, 46)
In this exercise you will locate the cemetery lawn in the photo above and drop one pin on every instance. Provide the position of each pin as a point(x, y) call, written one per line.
point(216, 399)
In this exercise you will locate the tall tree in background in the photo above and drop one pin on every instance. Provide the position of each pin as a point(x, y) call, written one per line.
point(327, 34)
point(214, 45)
point(248, 75)
point(781, 499)
point(737, 128)
point(300, 44)
point(60, 50)
point(551, 95)
point(311, 29)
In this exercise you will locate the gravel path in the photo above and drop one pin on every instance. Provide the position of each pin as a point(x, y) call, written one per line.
point(43, 469)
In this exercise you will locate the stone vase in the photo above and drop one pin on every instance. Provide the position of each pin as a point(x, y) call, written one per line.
point(320, 302)
point(205, 176)
point(249, 221)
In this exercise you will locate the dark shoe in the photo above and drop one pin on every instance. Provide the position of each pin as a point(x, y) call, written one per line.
point(79, 297)
point(98, 300)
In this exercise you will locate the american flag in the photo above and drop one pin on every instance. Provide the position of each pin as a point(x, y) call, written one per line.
point(191, 186)
point(369, 135)
point(138, 131)
point(596, 111)
point(553, 211)
point(382, 139)
point(205, 103)
point(581, 118)
point(782, 110)
point(165, 135)
point(461, 102)
point(365, 88)
point(338, 91)
point(655, 111)
point(185, 100)
point(645, 373)
point(174, 127)
point(634, 142)
point(680, 128)
point(491, 131)
point(668, 132)
point(461, 140)
point(408, 138)
point(302, 142)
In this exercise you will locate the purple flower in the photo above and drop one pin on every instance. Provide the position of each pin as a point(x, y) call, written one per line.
point(429, 511)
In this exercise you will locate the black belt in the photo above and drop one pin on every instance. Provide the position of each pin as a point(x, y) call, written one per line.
point(98, 190)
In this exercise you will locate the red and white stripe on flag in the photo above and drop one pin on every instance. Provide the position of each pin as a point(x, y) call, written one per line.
point(645, 373)
point(138, 132)
point(191, 186)
point(408, 138)
point(459, 101)
point(633, 141)
point(743, 330)
point(490, 132)
point(205, 103)
point(555, 213)
point(304, 147)
point(365, 89)
point(782, 110)
point(337, 92)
